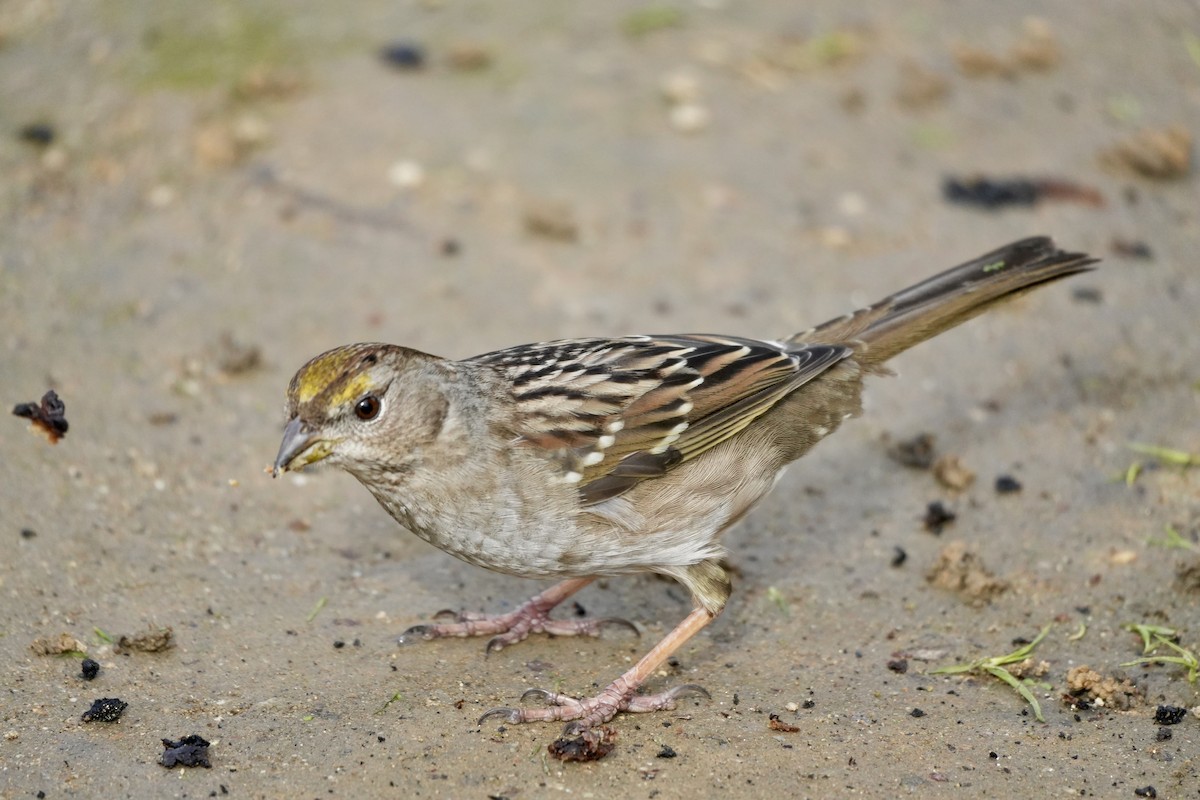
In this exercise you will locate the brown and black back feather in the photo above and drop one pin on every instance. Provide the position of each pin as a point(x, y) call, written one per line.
point(614, 412)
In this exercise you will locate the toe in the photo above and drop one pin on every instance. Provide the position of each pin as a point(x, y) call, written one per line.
point(663, 701)
point(517, 633)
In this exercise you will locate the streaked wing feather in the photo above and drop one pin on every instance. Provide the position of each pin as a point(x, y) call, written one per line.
point(613, 412)
point(732, 418)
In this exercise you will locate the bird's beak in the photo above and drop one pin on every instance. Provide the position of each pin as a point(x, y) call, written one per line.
point(300, 447)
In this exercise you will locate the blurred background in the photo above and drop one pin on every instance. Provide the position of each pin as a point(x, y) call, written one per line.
point(195, 198)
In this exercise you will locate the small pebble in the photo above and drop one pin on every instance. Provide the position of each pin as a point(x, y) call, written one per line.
point(1122, 558)
point(792, 706)
point(951, 472)
point(835, 237)
point(54, 159)
point(937, 517)
point(250, 130)
point(917, 452)
point(550, 220)
point(89, 669)
point(1154, 153)
point(1007, 484)
point(680, 87)
point(37, 133)
point(852, 204)
point(406, 174)
point(160, 196)
point(690, 117)
point(1131, 248)
point(469, 57)
point(407, 56)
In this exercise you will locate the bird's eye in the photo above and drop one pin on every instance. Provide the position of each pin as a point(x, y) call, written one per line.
point(367, 408)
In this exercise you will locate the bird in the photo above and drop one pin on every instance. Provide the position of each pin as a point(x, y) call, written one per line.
point(585, 458)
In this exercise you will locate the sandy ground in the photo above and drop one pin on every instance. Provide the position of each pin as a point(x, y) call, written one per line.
point(231, 191)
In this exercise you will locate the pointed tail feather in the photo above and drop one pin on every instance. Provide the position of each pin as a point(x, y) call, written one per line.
point(924, 310)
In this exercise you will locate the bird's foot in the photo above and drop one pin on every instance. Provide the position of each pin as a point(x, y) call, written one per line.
point(508, 629)
point(583, 715)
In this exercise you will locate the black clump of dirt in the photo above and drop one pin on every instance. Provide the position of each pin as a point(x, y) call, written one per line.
point(190, 751)
point(937, 517)
point(1007, 484)
point(917, 452)
point(591, 745)
point(993, 194)
point(1169, 715)
point(41, 134)
point(106, 709)
point(48, 415)
point(403, 55)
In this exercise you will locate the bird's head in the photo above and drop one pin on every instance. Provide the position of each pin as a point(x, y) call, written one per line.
point(364, 407)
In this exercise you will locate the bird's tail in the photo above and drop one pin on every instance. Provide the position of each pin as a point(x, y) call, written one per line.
point(921, 312)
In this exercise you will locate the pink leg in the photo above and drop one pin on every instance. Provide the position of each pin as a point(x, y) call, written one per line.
point(508, 629)
point(620, 695)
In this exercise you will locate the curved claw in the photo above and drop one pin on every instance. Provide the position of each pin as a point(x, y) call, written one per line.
point(494, 644)
point(511, 715)
point(540, 694)
point(423, 633)
point(618, 622)
point(448, 613)
point(575, 727)
point(688, 688)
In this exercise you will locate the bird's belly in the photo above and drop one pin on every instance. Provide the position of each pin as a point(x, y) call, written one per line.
point(494, 535)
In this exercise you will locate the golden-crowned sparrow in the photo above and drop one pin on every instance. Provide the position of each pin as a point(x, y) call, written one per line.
point(584, 458)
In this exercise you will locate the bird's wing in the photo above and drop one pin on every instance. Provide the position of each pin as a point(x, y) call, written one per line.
point(613, 412)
